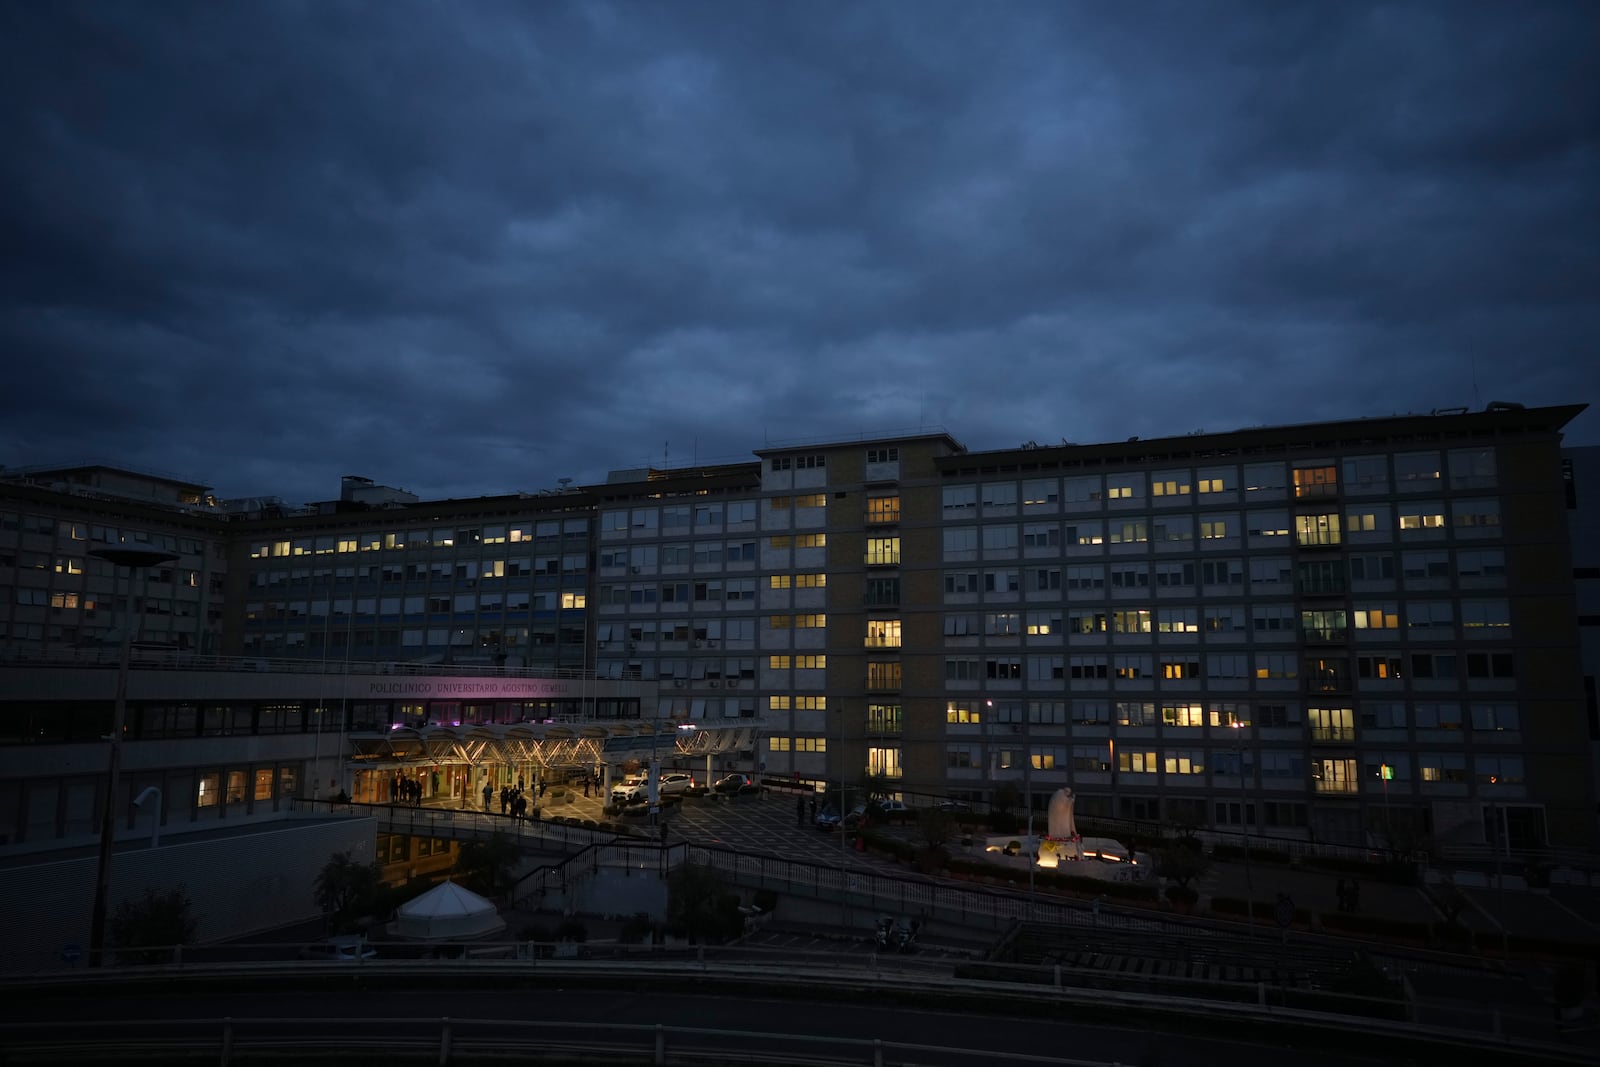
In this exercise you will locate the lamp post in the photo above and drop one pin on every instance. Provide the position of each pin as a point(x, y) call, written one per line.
point(1244, 818)
point(140, 558)
point(844, 898)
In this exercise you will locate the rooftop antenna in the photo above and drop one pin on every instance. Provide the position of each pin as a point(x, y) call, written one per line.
point(666, 453)
point(1474, 379)
point(564, 482)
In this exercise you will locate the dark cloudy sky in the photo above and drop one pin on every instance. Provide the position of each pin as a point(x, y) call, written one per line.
point(473, 247)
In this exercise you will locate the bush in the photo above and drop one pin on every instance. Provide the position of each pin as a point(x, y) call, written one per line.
point(765, 899)
point(637, 930)
point(1374, 925)
point(610, 810)
point(572, 929)
point(1182, 896)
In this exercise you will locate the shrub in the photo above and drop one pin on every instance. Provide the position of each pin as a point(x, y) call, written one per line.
point(609, 809)
point(590, 824)
point(1374, 925)
point(1182, 895)
point(572, 929)
point(637, 930)
point(765, 899)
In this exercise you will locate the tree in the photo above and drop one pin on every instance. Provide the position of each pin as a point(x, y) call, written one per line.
point(145, 930)
point(699, 908)
point(1181, 862)
point(935, 827)
point(874, 787)
point(486, 865)
point(347, 890)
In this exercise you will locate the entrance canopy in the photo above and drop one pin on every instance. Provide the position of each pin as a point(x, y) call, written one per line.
point(560, 744)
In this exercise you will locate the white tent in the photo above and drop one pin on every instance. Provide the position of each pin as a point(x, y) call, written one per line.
point(447, 913)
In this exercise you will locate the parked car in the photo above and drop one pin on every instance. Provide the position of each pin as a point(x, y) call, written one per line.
point(879, 811)
point(954, 807)
point(350, 948)
point(632, 788)
point(731, 783)
point(675, 783)
point(827, 818)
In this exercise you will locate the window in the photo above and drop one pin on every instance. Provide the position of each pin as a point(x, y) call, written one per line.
point(1001, 496)
point(1177, 621)
point(1085, 533)
point(1084, 492)
point(1366, 474)
point(883, 675)
point(883, 718)
point(960, 500)
point(1001, 581)
point(1383, 716)
point(1430, 615)
point(1481, 563)
point(1314, 530)
point(1477, 615)
point(1315, 481)
point(1041, 494)
point(1498, 770)
point(963, 713)
point(960, 543)
point(1003, 668)
point(1041, 535)
point(815, 540)
point(1178, 666)
point(1267, 524)
point(1043, 623)
point(1416, 471)
point(999, 541)
point(1221, 572)
point(1170, 484)
point(1372, 568)
point(1125, 487)
point(1002, 624)
point(1491, 665)
point(1184, 761)
point(1276, 665)
point(1471, 468)
point(1272, 618)
point(1375, 617)
point(1433, 665)
point(1128, 532)
point(1432, 716)
point(1130, 576)
point(1264, 481)
point(1137, 762)
point(1183, 716)
point(1217, 480)
point(883, 633)
point(1087, 668)
point(883, 509)
point(1496, 718)
point(885, 551)
point(883, 455)
point(1131, 621)
point(1216, 527)
point(1092, 576)
point(961, 582)
point(1177, 575)
point(1442, 767)
point(884, 761)
point(1227, 666)
point(1482, 514)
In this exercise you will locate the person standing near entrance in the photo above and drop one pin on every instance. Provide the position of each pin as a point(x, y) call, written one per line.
point(488, 795)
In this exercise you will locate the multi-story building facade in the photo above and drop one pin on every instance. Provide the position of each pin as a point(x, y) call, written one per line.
point(1356, 631)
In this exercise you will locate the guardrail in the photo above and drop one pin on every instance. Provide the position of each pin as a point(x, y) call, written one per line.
point(969, 988)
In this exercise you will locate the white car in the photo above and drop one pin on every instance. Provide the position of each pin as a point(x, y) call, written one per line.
point(675, 783)
point(634, 787)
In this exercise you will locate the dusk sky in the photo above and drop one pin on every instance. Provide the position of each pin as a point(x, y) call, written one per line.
point(468, 248)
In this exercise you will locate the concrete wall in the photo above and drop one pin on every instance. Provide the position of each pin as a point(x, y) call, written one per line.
point(236, 884)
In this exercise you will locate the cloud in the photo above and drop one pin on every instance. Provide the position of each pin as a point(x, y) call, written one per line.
point(476, 249)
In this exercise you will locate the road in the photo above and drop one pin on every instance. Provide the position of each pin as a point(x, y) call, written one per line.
point(948, 1037)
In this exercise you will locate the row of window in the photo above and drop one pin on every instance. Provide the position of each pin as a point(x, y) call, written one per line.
point(1463, 468)
point(437, 537)
point(1328, 723)
point(14, 524)
point(398, 607)
point(1422, 569)
point(1427, 617)
point(1327, 673)
point(1368, 524)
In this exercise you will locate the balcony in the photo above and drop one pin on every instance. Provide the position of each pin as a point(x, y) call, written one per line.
point(1333, 735)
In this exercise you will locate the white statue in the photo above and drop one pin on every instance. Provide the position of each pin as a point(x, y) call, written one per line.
point(1061, 821)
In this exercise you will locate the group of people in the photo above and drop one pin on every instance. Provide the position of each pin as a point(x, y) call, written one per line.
point(513, 802)
point(403, 790)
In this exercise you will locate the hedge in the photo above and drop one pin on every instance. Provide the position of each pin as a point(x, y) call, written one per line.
point(1261, 909)
point(1343, 922)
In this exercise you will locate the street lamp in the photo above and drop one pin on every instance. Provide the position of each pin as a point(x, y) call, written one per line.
point(133, 558)
point(1244, 818)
